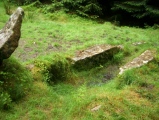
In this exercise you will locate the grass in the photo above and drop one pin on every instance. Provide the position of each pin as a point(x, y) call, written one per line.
point(45, 36)
point(74, 98)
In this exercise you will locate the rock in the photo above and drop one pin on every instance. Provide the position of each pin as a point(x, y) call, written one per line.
point(10, 34)
point(30, 66)
point(139, 43)
point(141, 60)
point(95, 55)
point(96, 108)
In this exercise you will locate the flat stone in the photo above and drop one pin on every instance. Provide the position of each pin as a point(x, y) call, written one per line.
point(139, 61)
point(96, 108)
point(95, 55)
point(139, 43)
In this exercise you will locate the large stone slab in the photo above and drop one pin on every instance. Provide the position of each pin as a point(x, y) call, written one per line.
point(95, 55)
point(10, 34)
point(139, 61)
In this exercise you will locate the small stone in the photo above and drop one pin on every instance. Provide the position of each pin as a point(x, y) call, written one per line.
point(96, 108)
point(139, 43)
point(30, 66)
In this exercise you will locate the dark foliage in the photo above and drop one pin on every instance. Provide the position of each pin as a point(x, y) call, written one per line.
point(130, 12)
point(143, 11)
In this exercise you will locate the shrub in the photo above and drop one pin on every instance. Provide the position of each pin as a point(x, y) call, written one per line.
point(14, 83)
point(83, 8)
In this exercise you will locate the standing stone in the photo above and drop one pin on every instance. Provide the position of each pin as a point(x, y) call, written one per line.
point(10, 34)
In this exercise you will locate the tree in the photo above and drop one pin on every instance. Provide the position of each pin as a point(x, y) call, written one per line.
point(145, 10)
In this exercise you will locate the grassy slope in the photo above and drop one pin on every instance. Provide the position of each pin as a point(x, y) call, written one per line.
point(66, 34)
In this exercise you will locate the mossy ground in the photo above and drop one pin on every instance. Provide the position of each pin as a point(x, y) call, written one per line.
point(73, 99)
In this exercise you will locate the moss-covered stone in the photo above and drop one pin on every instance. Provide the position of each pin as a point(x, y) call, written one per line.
point(139, 61)
point(94, 56)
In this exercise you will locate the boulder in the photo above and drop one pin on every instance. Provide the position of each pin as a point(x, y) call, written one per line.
point(139, 61)
point(10, 34)
point(95, 55)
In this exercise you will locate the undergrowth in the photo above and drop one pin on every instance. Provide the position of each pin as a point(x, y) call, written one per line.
point(54, 68)
point(14, 83)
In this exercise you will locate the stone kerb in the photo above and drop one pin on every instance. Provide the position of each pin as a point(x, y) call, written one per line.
point(139, 61)
point(95, 55)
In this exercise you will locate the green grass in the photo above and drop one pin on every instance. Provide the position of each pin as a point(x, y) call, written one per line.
point(4, 17)
point(73, 99)
point(41, 36)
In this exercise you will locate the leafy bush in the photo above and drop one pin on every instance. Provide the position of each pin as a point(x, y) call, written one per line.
point(83, 8)
point(14, 83)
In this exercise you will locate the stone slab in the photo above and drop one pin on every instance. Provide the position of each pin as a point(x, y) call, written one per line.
point(139, 61)
point(95, 55)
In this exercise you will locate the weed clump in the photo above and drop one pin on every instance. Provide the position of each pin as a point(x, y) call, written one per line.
point(127, 78)
point(117, 58)
point(54, 68)
point(14, 83)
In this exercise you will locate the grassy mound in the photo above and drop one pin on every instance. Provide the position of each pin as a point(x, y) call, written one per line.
point(14, 83)
point(54, 68)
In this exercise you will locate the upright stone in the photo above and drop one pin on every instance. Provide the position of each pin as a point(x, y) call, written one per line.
point(139, 61)
point(10, 34)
